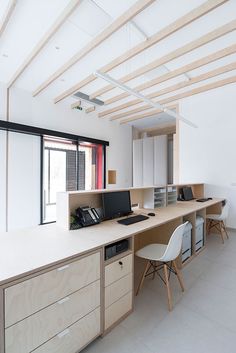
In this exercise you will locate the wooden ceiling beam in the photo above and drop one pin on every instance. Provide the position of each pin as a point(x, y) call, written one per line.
point(187, 48)
point(186, 68)
point(149, 113)
point(185, 20)
point(169, 129)
point(44, 40)
point(157, 37)
point(179, 96)
point(180, 85)
point(106, 33)
point(7, 15)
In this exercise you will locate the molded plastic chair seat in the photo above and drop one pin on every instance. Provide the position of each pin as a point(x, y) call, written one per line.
point(215, 217)
point(166, 256)
point(152, 252)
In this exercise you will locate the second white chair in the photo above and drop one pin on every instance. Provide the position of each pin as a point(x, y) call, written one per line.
point(166, 255)
point(217, 221)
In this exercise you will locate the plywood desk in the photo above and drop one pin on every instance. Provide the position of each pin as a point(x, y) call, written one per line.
point(29, 256)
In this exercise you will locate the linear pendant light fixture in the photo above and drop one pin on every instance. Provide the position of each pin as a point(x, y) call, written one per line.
point(156, 105)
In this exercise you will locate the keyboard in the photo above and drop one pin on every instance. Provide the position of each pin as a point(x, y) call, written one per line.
point(131, 220)
point(204, 199)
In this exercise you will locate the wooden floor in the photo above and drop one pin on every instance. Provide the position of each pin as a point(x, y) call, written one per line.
point(203, 319)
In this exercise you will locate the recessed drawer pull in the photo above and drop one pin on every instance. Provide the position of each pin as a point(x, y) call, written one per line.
point(63, 268)
point(63, 333)
point(64, 300)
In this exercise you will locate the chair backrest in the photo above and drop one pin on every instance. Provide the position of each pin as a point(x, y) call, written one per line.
point(175, 244)
point(225, 211)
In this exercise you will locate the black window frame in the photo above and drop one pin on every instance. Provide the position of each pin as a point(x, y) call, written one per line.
point(41, 132)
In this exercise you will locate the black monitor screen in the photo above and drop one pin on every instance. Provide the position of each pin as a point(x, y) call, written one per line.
point(116, 204)
point(188, 194)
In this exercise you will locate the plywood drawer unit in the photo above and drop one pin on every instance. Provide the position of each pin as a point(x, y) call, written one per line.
point(115, 311)
point(118, 269)
point(75, 337)
point(38, 328)
point(118, 289)
point(34, 294)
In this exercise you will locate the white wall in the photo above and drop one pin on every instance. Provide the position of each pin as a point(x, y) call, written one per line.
point(24, 151)
point(2, 160)
point(208, 154)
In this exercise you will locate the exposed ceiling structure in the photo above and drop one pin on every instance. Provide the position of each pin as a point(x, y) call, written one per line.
point(166, 50)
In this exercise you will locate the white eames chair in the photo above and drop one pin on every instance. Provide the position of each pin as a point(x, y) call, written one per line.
point(166, 255)
point(217, 221)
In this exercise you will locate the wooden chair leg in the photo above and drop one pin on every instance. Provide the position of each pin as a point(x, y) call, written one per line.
point(143, 277)
point(224, 227)
point(170, 305)
point(179, 276)
point(221, 232)
point(208, 227)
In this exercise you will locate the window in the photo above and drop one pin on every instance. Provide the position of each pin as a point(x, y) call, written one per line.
point(69, 165)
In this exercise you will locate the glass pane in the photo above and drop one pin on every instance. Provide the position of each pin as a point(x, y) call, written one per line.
point(69, 167)
point(90, 173)
point(60, 174)
point(57, 174)
point(46, 176)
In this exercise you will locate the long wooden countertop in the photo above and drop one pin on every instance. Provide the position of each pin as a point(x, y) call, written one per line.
point(23, 252)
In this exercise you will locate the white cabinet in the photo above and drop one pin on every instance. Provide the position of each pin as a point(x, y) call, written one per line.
point(138, 162)
point(160, 160)
point(150, 161)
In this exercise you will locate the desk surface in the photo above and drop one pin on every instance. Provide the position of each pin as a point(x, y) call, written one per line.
point(29, 250)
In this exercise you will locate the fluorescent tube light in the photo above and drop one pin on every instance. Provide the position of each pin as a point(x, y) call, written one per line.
point(156, 105)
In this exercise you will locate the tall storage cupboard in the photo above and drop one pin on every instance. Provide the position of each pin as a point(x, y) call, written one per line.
point(160, 160)
point(138, 162)
point(150, 161)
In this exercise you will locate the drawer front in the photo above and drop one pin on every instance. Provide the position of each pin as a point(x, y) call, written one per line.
point(75, 337)
point(118, 269)
point(117, 310)
point(118, 289)
point(35, 330)
point(25, 298)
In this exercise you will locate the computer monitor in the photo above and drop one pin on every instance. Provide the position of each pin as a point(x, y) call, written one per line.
point(187, 193)
point(116, 204)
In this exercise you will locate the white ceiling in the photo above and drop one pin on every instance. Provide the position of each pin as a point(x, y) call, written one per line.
point(32, 18)
point(159, 120)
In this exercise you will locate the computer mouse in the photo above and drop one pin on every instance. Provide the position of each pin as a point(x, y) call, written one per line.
point(151, 214)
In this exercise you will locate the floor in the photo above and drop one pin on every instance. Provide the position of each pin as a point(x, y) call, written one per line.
point(203, 319)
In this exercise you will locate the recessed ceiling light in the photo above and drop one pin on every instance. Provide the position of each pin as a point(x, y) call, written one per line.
point(57, 48)
point(5, 55)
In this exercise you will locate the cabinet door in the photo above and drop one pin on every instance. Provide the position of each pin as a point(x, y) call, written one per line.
point(137, 162)
point(148, 161)
point(160, 160)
